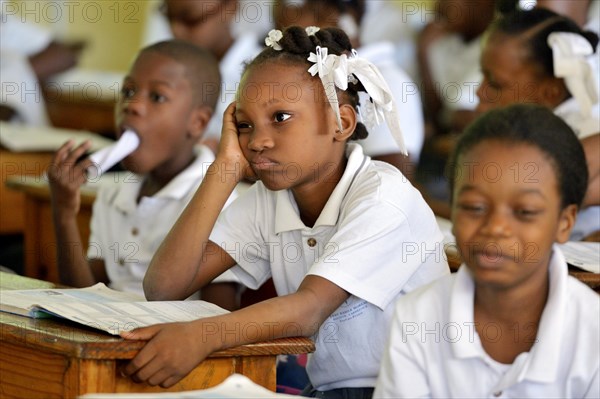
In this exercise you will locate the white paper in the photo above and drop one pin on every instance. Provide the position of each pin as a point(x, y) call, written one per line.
point(235, 386)
point(584, 255)
point(103, 308)
point(108, 157)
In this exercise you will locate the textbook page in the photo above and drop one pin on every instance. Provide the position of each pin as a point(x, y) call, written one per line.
point(235, 386)
point(103, 308)
point(584, 255)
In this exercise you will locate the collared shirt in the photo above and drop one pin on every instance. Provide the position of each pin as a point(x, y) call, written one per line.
point(435, 351)
point(125, 234)
point(376, 238)
point(408, 101)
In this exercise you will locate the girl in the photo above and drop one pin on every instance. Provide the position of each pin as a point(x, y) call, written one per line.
point(510, 322)
point(524, 61)
point(341, 236)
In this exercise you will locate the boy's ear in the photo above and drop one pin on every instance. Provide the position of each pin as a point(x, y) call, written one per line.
point(198, 121)
point(566, 222)
point(348, 117)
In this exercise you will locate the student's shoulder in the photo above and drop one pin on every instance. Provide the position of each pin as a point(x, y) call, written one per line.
point(583, 300)
point(432, 299)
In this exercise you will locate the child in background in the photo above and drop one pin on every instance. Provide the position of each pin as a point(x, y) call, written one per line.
point(511, 322)
point(210, 24)
point(342, 236)
point(163, 99)
point(522, 62)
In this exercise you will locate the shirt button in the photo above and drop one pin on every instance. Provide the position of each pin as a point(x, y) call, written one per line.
point(122, 262)
point(311, 242)
point(135, 231)
point(496, 394)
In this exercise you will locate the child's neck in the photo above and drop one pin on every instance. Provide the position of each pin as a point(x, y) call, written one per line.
point(311, 198)
point(507, 321)
point(161, 176)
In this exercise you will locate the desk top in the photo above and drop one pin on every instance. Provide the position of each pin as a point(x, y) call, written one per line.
point(64, 337)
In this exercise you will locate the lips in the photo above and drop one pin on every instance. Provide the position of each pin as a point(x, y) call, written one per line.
point(492, 258)
point(263, 163)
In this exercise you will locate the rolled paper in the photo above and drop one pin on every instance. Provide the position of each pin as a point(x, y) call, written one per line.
point(107, 157)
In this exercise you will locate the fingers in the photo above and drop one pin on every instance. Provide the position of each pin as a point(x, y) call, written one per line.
point(64, 166)
point(142, 334)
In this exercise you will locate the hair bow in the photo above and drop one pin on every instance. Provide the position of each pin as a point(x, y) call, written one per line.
point(336, 71)
point(272, 40)
point(569, 52)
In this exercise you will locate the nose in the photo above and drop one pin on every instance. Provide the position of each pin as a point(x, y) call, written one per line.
point(483, 93)
point(134, 105)
point(496, 225)
point(260, 140)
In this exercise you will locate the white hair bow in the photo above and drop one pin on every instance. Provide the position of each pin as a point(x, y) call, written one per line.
point(336, 71)
point(569, 52)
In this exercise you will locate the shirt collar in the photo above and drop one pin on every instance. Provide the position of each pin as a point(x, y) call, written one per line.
point(287, 217)
point(177, 188)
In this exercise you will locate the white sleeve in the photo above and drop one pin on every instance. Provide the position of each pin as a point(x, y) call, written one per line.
point(238, 232)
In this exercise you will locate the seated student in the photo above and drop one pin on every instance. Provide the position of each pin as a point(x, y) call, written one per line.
point(28, 56)
point(511, 322)
point(518, 63)
point(342, 237)
point(210, 25)
point(163, 101)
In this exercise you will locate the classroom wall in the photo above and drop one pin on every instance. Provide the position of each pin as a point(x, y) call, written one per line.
point(112, 29)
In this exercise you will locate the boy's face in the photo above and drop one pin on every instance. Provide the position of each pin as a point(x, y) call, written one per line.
point(286, 127)
point(508, 77)
point(156, 101)
point(507, 214)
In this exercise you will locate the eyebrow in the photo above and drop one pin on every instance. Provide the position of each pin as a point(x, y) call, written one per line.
point(154, 82)
point(535, 191)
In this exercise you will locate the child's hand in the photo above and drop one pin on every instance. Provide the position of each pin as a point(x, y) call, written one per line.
point(66, 176)
point(172, 351)
point(230, 153)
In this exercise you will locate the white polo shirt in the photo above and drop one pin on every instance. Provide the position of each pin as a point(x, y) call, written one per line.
point(434, 350)
point(408, 101)
point(376, 238)
point(126, 234)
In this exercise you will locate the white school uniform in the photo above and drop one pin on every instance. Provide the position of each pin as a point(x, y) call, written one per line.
point(125, 234)
point(376, 238)
point(408, 100)
point(455, 70)
point(20, 87)
point(434, 350)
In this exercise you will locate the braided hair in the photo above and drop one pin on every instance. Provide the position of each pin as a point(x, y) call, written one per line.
point(296, 47)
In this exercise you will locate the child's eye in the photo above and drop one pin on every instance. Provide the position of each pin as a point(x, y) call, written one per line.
point(472, 208)
point(243, 127)
point(157, 98)
point(282, 116)
point(127, 92)
point(526, 213)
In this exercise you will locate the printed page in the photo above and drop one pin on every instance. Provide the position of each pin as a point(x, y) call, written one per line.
point(23, 301)
point(116, 317)
point(235, 386)
point(584, 255)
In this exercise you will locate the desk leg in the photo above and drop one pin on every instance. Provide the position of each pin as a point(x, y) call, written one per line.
point(33, 242)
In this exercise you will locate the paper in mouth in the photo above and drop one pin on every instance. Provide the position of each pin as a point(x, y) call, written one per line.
point(108, 157)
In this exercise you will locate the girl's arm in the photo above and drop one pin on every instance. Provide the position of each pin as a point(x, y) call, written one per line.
point(186, 260)
point(173, 350)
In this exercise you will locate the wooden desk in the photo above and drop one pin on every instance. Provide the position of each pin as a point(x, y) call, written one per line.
point(38, 229)
point(52, 358)
point(77, 109)
point(15, 165)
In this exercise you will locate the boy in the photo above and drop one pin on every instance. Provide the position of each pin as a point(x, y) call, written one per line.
point(167, 98)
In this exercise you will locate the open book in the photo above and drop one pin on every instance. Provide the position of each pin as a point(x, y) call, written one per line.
point(103, 308)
